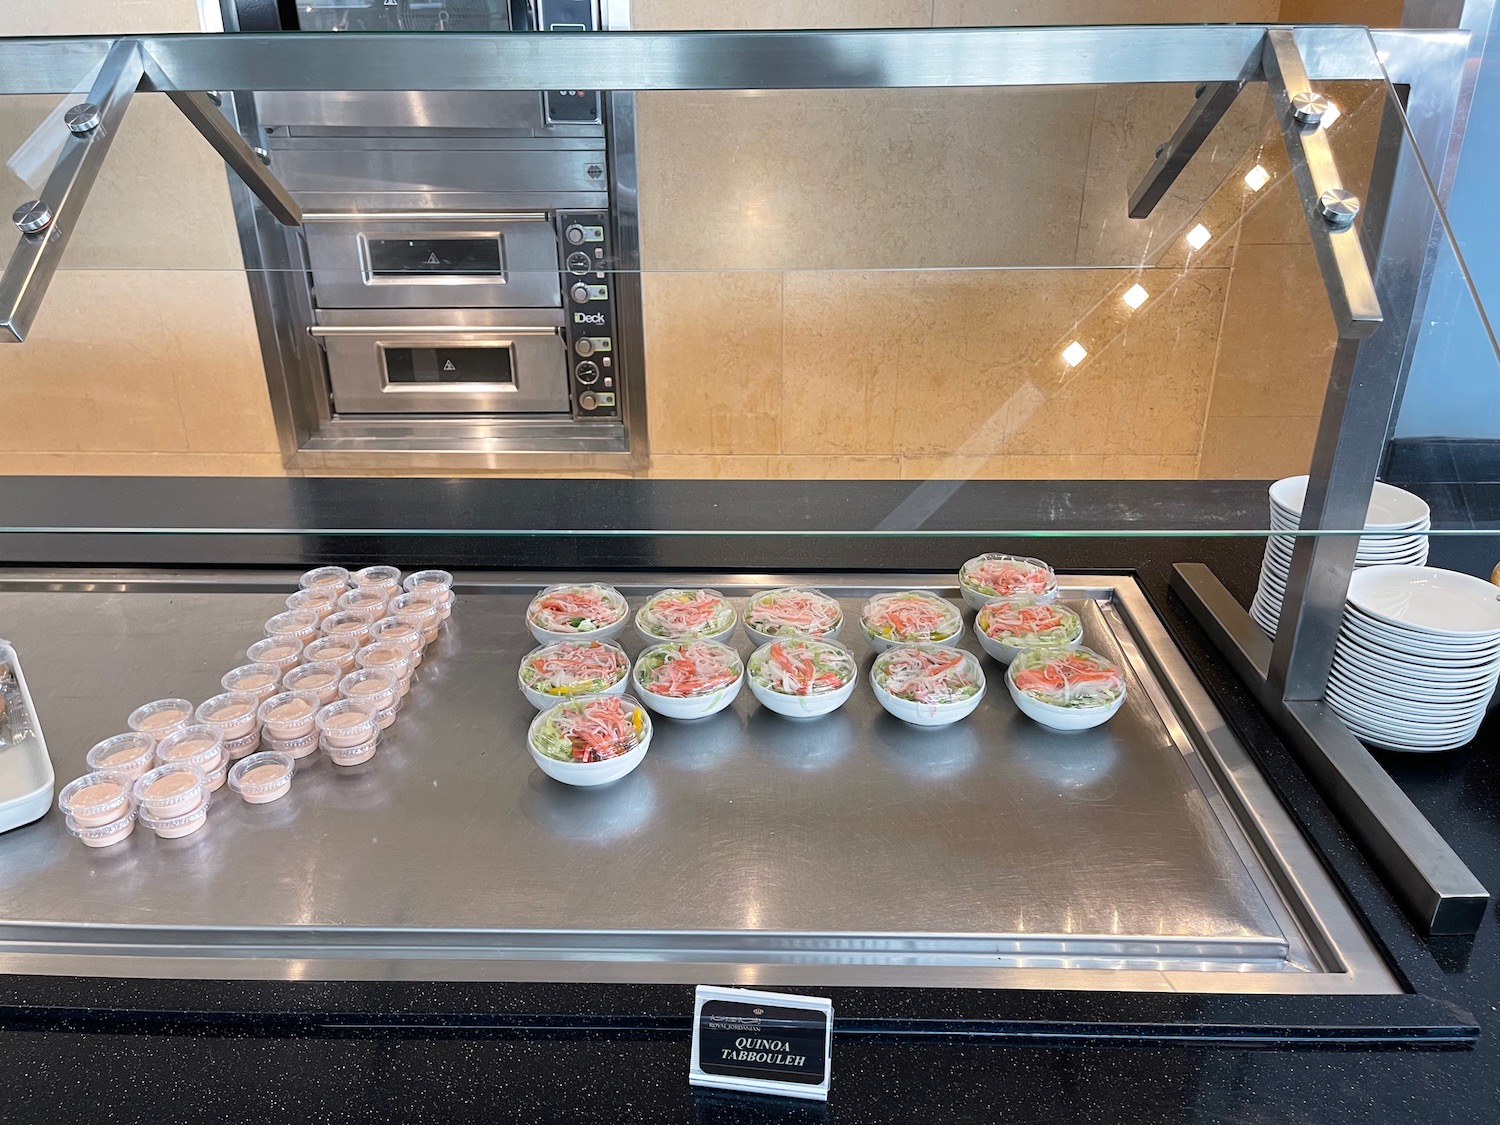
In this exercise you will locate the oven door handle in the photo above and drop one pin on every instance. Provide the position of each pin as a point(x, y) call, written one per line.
point(428, 330)
point(428, 217)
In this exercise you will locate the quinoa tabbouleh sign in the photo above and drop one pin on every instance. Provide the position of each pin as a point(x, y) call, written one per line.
point(763, 1042)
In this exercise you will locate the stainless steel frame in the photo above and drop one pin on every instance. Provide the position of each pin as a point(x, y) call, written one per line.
point(1400, 228)
point(393, 881)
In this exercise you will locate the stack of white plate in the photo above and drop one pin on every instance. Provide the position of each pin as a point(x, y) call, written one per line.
point(1397, 521)
point(1417, 658)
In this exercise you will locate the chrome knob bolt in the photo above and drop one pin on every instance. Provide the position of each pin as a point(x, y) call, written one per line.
point(82, 119)
point(574, 234)
point(1309, 107)
point(1338, 207)
point(32, 216)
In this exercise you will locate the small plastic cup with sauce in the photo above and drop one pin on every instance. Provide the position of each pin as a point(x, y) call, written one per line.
point(102, 835)
point(338, 649)
point(368, 599)
point(374, 686)
point(198, 745)
point(262, 778)
point(321, 677)
point(422, 607)
point(280, 651)
point(403, 631)
point(325, 578)
point(259, 680)
point(130, 754)
point(319, 601)
point(168, 796)
point(386, 578)
point(289, 716)
point(97, 798)
point(352, 623)
point(231, 714)
point(388, 657)
point(348, 731)
point(237, 748)
point(300, 625)
point(433, 581)
point(160, 717)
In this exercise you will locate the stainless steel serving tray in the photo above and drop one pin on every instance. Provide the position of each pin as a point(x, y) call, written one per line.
point(853, 849)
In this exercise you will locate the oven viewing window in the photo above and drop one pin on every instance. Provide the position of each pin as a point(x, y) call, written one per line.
point(416, 257)
point(437, 368)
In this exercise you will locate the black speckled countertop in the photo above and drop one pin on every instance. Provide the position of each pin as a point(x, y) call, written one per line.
point(111, 1051)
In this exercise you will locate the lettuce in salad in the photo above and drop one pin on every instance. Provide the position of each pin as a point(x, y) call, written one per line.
point(1026, 623)
point(583, 608)
point(683, 615)
point(793, 612)
point(1073, 678)
point(570, 668)
point(911, 617)
point(688, 669)
point(802, 667)
point(593, 729)
point(1006, 576)
point(928, 674)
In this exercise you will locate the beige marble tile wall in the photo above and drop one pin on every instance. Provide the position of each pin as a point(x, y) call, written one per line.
point(144, 358)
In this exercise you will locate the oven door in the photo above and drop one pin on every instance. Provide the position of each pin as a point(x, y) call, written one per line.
point(445, 361)
point(454, 260)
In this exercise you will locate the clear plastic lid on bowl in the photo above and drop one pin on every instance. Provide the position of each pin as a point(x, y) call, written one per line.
point(681, 615)
point(594, 728)
point(369, 599)
point(324, 577)
point(262, 777)
point(260, 680)
point(197, 744)
point(375, 686)
point(1073, 678)
point(347, 723)
point(929, 675)
point(295, 625)
point(687, 669)
point(232, 713)
point(170, 790)
point(283, 652)
point(160, 717)
point(333, 649)
point(98, 797)
point(321, 677)
point(574, 668)
point(354, 623)
point(382, 577)
point(1026, 622)
point(995, 575)
point(131, 754)
point(802, 666)
point(911, 617)
point(794, 611)
point(319, 601)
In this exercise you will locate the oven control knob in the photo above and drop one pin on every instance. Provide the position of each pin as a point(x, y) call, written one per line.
point(574, 234)
point(578, 262)
point(587, 372)
point(587, 401)
point(580, 294)
point(585, 346)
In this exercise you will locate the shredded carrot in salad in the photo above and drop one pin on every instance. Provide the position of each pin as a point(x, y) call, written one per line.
point(576, 609)
point(682, 615)
point(923, 674)
point(911, 617)
point(1023, 623)
point(1004, 576)
point(1077, 677)
point(589, 730)
point(686, 669)
point(567, 668)
point(794, 613)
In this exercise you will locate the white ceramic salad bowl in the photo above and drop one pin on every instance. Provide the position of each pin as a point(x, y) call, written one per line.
point(605, 631)
point(1030, 624)
point(697, 690)
point(1095, 703)
point(792, 612)
point(674, 615)
point(566, 669)
point(991, 576)
point(952, 679)
point(590, 773)
point(945, 625)
point(791, 676)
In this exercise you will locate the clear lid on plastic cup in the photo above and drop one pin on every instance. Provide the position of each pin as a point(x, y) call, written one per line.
point(335, 649)
point(430, 581)
point(405, 631)
point(171, 788)
point(387, 577)
point(261, 773)
point(100, 831)
point(370, 599)
point(228, 709)
point(422, 605)
point(280, 651)
point(197, 744)
point(315, 676)
point(392, 656)
point(594, 728)
point(288, 708)
point(323, 577)
point(348, 622)
point(96, 794)
point(259, 680)
point(320, 600)
point(176, 819)
point(349, 720)
point(131, 753)
point(295, 624)
point(160, 717)
point(373, 685)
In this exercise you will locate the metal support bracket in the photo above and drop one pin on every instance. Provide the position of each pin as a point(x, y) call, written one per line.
point(245, 162)
point(1425, 874)
point(1214, 100)
point(52, 218)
